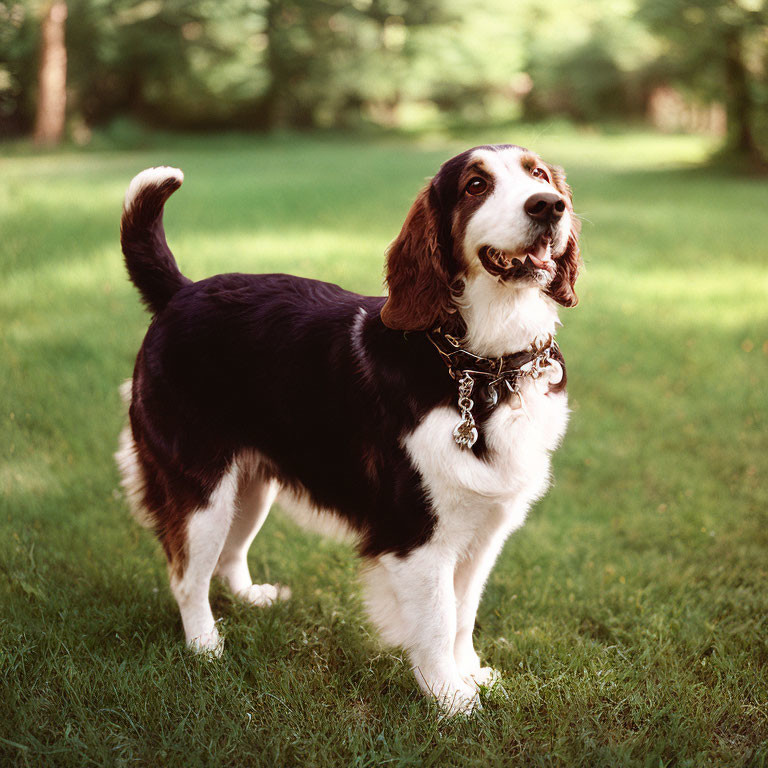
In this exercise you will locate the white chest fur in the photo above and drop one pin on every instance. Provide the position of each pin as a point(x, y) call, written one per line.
point(502, 319)
point(471, 495)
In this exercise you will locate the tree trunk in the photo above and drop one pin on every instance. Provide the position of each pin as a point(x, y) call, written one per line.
point(273, 103)
point(739, 102)
point(52, 76)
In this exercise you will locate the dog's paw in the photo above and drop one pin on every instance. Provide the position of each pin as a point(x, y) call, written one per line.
point(265, 594)
point(485, 677)
point(458, 702)
point(453, 695)
point(209, 645)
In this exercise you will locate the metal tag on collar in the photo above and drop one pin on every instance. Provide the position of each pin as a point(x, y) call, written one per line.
point(543, 360)
point(514, 388)
point(493, 394)
point(465, 432)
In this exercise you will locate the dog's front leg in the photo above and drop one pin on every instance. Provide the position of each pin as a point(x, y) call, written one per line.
point(471, 574)
point(412, 600)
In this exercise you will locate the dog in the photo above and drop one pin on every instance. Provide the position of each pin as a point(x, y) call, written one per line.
point(421, 422)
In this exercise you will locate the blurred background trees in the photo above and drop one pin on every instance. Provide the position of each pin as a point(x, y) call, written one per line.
point(51, 113)
point(717, 50)
point(264, 64)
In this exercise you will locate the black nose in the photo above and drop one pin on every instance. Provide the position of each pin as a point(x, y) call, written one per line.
point(545, 206)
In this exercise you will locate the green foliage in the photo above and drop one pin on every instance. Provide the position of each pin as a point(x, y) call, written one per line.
point(259, 64)
point(18, 49)
point(249, 63)
point(628, 616)
point(695, 32)
point(588, 62)
point(176, 63)
point(717, 49)
point(584, 83)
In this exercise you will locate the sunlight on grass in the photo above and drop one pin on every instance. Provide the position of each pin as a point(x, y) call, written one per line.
point(719, 298)
point(624, 150)
point(344, 257)
point(26, 476)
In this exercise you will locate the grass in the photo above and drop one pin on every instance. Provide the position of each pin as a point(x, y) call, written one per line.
point(629, 616)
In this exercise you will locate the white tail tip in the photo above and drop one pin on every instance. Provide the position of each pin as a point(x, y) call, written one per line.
point(151, 177)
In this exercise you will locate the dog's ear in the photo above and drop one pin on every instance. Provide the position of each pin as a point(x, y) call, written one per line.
point(562, 288)
point(419, 295)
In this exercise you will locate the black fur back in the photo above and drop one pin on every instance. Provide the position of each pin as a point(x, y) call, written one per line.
point(289, 368)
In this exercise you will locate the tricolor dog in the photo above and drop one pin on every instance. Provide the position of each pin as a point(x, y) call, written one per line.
point(422, 422)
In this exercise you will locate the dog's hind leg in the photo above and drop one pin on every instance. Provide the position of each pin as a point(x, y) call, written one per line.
point(205, 532)
point(254, 499)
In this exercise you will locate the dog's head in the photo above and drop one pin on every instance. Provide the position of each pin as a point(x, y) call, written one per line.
point(498, 209)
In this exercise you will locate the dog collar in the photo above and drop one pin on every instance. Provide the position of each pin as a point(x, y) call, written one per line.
point(467, 369)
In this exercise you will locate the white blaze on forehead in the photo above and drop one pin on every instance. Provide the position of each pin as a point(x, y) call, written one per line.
point(512, 182)
point(500, 160)
point(501, 221)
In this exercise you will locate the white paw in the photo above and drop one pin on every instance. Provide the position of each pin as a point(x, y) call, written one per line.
point(462, 701)
point(209, 644)
point(265, 594)
point(485, 677)
point(452, 694)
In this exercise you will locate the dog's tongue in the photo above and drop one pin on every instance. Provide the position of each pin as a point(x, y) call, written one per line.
point(539, 254)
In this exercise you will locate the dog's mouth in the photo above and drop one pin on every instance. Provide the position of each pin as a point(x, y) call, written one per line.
point(535, 261)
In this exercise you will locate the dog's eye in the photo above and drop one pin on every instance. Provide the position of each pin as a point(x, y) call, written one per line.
point(476, 186)
point(540, 173)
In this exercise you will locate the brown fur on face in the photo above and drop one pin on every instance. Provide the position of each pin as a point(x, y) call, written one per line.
point(466, 205)
point(562, 287)
point(419, 294)
point(427, 256)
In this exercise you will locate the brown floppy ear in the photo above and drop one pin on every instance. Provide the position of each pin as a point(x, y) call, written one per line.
point(562, 287)
point(419, 296)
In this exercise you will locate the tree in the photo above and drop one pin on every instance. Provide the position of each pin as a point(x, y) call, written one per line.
point(52, 75)
point(716, 48)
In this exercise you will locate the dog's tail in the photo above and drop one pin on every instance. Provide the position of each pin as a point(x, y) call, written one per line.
point(149, 260)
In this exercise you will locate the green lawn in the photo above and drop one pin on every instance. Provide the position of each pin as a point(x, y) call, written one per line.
point(629, 616)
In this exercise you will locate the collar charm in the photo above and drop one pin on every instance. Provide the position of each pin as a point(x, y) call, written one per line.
point(493, 373)
point(465, 432)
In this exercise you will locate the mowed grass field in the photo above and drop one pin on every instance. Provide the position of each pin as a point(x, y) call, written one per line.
point(629, 616)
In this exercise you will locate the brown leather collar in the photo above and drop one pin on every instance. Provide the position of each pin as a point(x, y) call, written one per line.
point(492, 375)
point(492, 370)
